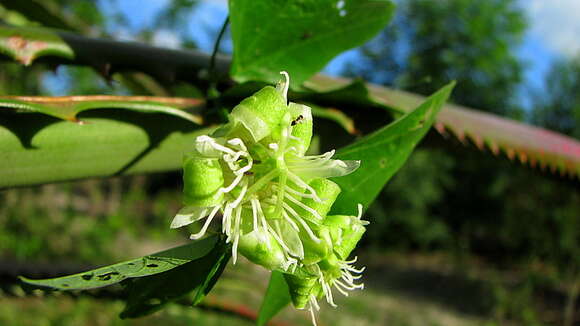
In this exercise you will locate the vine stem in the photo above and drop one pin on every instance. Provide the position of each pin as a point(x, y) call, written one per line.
point(212, 73)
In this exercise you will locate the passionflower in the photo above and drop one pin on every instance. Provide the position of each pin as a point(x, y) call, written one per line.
point(254, 175)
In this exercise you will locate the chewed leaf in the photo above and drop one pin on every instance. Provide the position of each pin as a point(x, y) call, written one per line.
point(27, 44)
point(67, 107)
point(140, 267)
point(198, 276)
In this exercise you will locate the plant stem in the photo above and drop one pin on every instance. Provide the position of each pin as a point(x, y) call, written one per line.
point(212, 73)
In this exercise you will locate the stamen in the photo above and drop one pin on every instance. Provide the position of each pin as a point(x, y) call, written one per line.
point(290, 221)
point(306, 207)
point(343, 292)
point(206, 224)
point(298, 193)
point(273, 146)
point(226, 221)
point(236, 234)
point(303, 184)
point(232, 185)
point(313, 304)
point(254, 213)
point(214, 144)
point(236, 202)
point(354, 270)
point(264, 223)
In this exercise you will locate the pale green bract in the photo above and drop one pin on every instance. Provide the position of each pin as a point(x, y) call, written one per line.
point(273, 199)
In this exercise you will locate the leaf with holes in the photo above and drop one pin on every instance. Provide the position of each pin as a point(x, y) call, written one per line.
point(384, 152)
point(299, 36)
point(67, 107)
point(149, 294)
point(140, 267)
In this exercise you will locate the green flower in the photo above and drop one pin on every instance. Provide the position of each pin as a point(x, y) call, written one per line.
point(254, 176)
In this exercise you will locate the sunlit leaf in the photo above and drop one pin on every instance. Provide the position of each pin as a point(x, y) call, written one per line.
point(140, 267)
point(299, 36)
point(384, 152)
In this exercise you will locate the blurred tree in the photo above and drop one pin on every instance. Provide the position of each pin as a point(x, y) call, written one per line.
point(472, 42)
point(559, 108)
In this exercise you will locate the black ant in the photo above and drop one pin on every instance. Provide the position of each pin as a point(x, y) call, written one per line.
point(297, 120)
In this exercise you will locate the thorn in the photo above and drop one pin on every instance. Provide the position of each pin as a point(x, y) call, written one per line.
point(478, 141)
point(510, 153)
point(523, 157)
point(494, 148)
point(440, 127)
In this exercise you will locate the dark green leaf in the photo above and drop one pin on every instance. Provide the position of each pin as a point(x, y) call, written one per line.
point(277, 297)
point(149, 294)
point(299, 36)
point(140, 267)
point(383, 152)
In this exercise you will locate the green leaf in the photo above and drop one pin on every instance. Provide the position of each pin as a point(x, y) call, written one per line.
point(140, 267)
point(39, 149)
point(299, 36)
point(276, 298)
point(27, 44)
point(383, 152)
point(149, 294)
point(67, 107)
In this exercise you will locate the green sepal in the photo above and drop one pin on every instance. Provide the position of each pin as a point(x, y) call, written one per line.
point(316, 251)
point(261, 113)
point(261, 248)
point(327, 191)
point(302, 127)
point(202, 179)
point(301, 286)
point(345, 232)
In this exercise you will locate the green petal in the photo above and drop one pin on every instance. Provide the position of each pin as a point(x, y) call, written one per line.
point(202, 179)
point(188, 215)
point(331, 168)
point(302, 127)
point(261, 113)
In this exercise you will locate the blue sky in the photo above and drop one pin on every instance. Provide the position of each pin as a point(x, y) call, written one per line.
point(553, 32)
